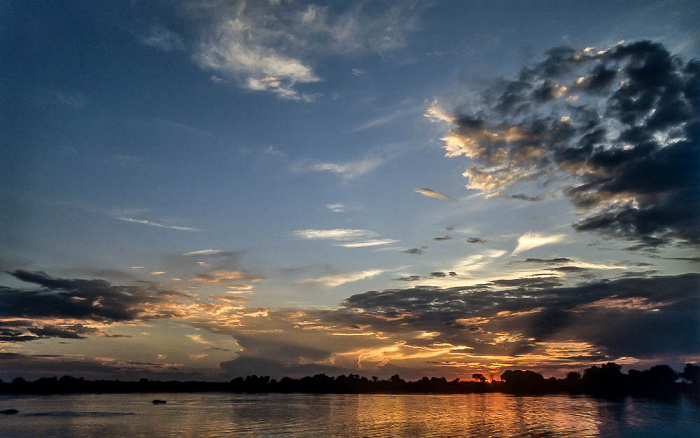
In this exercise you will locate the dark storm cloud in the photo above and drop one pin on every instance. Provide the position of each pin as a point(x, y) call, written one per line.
point(51, 310)
point(624, 317)
point(622, 124)
point(95, 300)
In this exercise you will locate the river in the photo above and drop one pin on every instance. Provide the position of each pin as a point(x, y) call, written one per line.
point(363, 415)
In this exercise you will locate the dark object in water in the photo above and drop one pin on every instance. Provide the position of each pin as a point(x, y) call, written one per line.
point(159, 402)
point(9, 411)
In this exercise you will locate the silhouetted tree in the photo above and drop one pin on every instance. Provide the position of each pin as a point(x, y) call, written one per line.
point(604, 381)
point(691, 373)
point(523, 382)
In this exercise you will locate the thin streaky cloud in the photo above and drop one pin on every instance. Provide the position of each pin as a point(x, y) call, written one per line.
point(348, 170)
point(334, 234)
point(163, 39)
point(340, 279)
point(207, 252)
point(532, 240)
point(387, 118)
point(434, 194)
point(156, 224)
point(367, 243)
point(336, 208)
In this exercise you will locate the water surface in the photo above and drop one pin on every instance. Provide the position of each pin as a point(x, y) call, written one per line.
point(368, 415)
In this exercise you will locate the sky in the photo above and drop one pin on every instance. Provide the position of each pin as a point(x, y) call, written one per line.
point(213, 189)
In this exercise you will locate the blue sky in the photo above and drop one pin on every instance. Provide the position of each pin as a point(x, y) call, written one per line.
point(273, 187)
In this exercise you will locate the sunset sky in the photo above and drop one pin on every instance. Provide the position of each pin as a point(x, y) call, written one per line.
point(210, 189)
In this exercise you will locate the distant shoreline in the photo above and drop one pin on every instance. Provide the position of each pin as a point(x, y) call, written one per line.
point(606, 381)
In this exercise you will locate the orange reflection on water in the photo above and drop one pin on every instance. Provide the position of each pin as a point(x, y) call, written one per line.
point(476, 415)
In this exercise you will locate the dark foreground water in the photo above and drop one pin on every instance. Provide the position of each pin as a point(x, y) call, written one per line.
point(365, 415)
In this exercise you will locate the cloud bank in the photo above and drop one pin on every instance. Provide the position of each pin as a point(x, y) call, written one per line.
point(617, 130)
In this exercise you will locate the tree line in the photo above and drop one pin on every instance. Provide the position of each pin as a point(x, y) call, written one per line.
point(606, 380)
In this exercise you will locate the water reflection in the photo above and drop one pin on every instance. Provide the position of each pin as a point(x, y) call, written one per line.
point(297, 415)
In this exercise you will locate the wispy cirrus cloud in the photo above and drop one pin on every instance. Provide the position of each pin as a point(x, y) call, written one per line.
point(337, 208)
point(347, 170)
point(350, 238)
point(532, 240)
point(209, 253)
point(156, 224)
point(334, 234)
point(403, 110)
point(163, 39)
point(74, 99)
point(367, 243)
point(270, 46)
point(340, 279)
point(434, 194)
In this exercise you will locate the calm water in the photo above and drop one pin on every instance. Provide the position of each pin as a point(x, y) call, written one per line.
point(297, 415)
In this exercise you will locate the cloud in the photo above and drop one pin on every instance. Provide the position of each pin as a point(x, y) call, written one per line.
point(594, 124)
point(442, 238)
point(266, 366)
point(476, 240)
point(348, 170)
point(532, 240)
point(270, 47)
point(388, 116)
point(434, 194)
point(244, 48)
point(222, 276)
point(620, 316)
point(213, 267)
point(209, 253)
point(351, 238)
point(530, 321)
point(334, 234)
point(340, 279)
point(336, 208)
point(96, 300)
point(437, 113)
point(163, 39)
point(74, 99)
point(24, 330)
point(37, 366)
point(62, 307)
point(415, 251)
point(553, 261)
point(367, 243)
point(156, 224)
point(78, 308)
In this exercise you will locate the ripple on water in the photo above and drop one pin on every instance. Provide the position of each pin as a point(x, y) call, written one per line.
point(368, 415)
